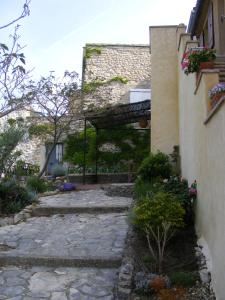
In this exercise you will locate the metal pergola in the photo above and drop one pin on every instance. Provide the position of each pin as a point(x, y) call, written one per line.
point(112, 117)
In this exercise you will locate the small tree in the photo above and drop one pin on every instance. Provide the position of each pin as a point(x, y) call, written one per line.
point(51, 104)
point(13, 76)
point(158, 216)
point(9, 138)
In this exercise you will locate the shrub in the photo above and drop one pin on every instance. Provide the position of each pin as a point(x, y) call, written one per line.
point(58, 170)
point(36, 184)
point(158, 216)
point(184, 279)
point(14, 197)
point(155, 166)
point(23, 169)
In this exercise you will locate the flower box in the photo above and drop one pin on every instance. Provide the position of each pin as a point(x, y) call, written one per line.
point(197, 59)
point(216, 93)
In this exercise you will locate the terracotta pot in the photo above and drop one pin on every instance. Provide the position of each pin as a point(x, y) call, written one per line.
point(206, 65)
point(143, 123)
point(215, 99)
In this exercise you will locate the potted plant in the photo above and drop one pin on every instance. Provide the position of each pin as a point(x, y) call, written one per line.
point(198, 58)
point(216, 93)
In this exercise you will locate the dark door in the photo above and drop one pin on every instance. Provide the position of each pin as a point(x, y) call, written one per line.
point(56, 156)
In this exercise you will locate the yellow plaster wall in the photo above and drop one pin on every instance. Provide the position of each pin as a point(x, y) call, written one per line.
point(164, 103)
point(202, 149)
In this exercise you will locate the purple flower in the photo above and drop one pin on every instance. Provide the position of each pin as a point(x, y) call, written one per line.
point(217, 89)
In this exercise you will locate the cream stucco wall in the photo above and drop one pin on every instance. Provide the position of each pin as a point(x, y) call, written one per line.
point(202, 149)
point(179, 111)
point(164, 82)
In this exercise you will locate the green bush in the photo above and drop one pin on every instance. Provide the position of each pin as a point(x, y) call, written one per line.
point(36, 184)
point(23, 169)
point(184, 279)
point(14, 197)
point(154, 167)
point(58, 170)
point(158, 216)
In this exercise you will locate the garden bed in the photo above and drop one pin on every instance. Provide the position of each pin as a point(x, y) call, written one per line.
point(180, 257)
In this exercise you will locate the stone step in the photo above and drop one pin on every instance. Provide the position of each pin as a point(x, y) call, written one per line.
point(48, 211)
point(62, 240)
point(57, 262)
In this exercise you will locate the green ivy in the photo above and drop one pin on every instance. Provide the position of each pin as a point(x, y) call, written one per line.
point(89, 51)
point(94, 84)
point(131, 144)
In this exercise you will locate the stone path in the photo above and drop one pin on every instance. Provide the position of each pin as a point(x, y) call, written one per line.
point(71, 249)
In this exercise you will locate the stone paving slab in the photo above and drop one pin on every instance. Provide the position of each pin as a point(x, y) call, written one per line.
point(70, 238)
point(87, 199)
point(92, 201)
point(56, 284)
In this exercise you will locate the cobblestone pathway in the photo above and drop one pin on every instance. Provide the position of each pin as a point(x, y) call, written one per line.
point(70, 250)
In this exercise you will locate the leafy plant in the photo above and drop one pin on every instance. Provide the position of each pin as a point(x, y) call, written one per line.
point(191, 60)
point(119, 150)
point(14, 197)
point(158, 216)
point(184, 279)
point(23, 169)
point(58, 170)
point(154, 167)
point(89, 51)
point(36, 184)
point(91, 86)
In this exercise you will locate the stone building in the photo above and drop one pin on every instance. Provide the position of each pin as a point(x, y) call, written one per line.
point(115, 73)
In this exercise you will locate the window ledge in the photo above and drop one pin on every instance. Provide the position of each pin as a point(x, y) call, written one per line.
point(214, 110)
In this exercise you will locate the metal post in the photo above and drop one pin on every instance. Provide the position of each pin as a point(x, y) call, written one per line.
point(96, 157)
point(84, 145)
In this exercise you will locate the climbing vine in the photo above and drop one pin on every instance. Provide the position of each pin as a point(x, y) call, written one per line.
point(94, 84)
point(118, 148)
point(89, 51)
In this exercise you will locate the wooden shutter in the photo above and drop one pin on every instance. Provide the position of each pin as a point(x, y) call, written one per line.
point(210, 27)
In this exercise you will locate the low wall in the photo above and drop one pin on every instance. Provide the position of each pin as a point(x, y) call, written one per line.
point(101, 178)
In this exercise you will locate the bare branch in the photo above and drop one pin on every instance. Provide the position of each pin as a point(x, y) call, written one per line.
point(25, 12)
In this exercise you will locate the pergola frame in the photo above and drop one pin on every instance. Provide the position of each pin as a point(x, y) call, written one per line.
point(112, 117)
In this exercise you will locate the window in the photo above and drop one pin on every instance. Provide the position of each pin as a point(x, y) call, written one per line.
point(138, 95)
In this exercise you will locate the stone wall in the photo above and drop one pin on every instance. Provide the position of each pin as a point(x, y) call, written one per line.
point(130, 62)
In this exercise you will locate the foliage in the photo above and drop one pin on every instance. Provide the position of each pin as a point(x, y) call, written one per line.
point(9, 139)
point(58, 170)
point(154, 167)
point(52, 104)
point(94, 84)
point(158, 215)
point(126, 148)
point(217, 89)
point(22, 168)
point(174, 186)
point(36, 184)
point(13, 77)
point(191, 60)
point(92, 50)
point(184, 279)
point(118, 78)
point(14, 197)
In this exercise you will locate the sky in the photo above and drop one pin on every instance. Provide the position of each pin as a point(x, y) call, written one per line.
point(57, 30)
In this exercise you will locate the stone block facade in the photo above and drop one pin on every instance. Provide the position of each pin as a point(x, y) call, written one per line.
point(112, 70)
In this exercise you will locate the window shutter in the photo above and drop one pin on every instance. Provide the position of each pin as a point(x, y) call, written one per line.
point(210, 27)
